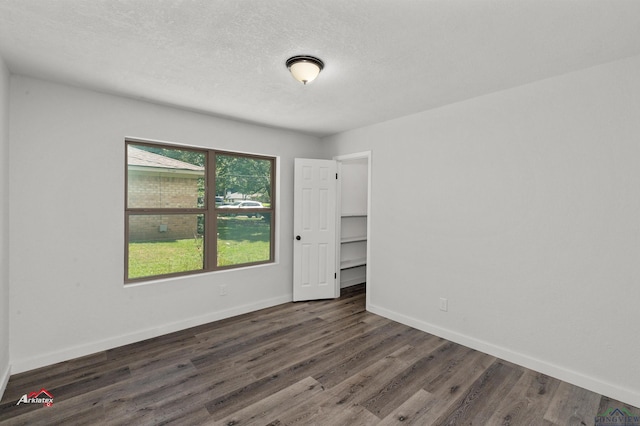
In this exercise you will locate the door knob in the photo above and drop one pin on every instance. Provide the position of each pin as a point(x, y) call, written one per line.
point(298, 237)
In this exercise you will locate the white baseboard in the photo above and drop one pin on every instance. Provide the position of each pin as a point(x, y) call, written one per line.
point(4, 379)
point(42, 360)
point(608, 389)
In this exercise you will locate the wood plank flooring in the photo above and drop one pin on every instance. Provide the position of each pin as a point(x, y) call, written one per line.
point(306, 363)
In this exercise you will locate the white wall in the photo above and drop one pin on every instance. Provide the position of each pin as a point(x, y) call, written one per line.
point(67, 222)
point(522, 208)
point(4, 225)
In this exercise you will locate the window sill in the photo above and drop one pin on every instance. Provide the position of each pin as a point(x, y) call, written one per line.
point(197, 275)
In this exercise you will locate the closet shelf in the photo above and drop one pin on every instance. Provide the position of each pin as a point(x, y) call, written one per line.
point(345, 240)
point(353, 263)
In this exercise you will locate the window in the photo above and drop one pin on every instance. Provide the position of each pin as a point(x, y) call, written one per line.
point(196, 210)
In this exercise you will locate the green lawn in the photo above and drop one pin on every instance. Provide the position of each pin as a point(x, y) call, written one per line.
point(240, 240)
point(243, 240)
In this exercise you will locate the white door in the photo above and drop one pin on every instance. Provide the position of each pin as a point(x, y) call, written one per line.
point(314, 230)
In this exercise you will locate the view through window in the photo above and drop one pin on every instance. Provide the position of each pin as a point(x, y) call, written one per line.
point(195, 210)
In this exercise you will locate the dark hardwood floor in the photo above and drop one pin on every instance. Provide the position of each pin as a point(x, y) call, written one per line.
point(306, 363)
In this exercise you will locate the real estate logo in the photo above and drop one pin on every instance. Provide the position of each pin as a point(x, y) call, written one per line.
point(617, 417)
point(41, 397)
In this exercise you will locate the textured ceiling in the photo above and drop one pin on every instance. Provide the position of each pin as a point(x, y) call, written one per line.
point(384, 58)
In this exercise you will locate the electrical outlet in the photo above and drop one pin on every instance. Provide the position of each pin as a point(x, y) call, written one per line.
point(444, 304)
point(223, 289)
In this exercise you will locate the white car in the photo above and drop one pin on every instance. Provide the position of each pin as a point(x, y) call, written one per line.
point(244, 205)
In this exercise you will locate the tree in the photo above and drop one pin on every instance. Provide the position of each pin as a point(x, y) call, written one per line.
point(245, 175)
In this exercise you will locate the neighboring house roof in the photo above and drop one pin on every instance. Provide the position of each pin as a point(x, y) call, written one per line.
point(141, 158)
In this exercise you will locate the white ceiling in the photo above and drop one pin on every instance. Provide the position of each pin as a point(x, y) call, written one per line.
point(384, 58)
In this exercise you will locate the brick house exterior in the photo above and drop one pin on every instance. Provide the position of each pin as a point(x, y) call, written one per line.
point(156, 181)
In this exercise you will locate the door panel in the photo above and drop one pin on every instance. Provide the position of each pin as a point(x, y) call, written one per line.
point(314, 227)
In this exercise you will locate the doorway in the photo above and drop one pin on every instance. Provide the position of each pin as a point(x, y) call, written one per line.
point(353, 218)
point(331, 225)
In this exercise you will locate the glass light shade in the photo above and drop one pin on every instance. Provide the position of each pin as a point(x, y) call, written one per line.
point(304, 68)
point(304, 72)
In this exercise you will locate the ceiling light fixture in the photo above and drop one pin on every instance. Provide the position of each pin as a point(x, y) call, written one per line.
point(304, 68)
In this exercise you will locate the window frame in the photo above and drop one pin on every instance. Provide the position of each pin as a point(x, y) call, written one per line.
point(209, 210)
